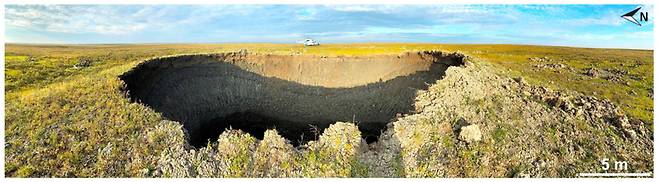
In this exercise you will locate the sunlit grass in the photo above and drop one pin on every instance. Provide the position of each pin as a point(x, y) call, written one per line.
point(58, 117)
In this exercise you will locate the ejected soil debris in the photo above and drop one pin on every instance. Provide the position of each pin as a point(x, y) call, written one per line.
point(470, 133)
point(540, 59)
point(592, 72)
point(83, 62)
point(551, 65)
point(613, 75)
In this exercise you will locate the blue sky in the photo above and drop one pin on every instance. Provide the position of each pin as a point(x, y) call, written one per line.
point(568, 25)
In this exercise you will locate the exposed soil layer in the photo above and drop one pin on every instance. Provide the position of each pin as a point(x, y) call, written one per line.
point(300, 96)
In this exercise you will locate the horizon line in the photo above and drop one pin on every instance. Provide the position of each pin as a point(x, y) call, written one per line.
point(334, 43)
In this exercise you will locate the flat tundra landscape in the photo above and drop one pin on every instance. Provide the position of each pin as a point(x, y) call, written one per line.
point(333, 110)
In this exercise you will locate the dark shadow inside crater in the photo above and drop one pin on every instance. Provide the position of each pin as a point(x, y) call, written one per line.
point(211, 93)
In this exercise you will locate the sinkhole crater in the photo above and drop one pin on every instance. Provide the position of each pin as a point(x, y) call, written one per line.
point(299, 96)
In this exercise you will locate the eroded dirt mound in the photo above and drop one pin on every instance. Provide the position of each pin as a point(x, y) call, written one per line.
point(298, 95)
point(523, 131)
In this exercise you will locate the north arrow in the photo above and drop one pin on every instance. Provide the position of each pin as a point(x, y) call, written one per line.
point(629, 16)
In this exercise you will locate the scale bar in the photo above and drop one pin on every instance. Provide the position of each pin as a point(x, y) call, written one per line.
point(614, 174)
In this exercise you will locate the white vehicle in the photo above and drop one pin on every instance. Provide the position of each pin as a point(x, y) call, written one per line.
point(311, 42)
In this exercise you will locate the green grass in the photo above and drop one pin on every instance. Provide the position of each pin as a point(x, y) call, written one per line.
point(75, 122)
point(55, 63)
point(638, 63)
point(499, 134)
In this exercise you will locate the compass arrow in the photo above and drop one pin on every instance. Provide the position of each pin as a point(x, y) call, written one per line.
point(629, 16)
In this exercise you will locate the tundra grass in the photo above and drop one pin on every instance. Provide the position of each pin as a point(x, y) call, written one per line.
point(66, 120)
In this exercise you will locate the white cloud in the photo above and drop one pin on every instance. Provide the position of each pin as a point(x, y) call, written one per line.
point(460, 9)
point(114, 20)
point(434, 29)
point(306, 14)
point(418, 9)
point(546, 9)
point(74, 19)
point(610, 19)
point(507, 23)
point(203, 14)
point(367, 8)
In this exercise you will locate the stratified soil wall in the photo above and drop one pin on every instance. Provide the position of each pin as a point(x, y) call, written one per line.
point(297, 95)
